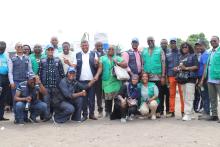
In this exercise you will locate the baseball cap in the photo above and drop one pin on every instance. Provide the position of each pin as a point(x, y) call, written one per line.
point(31, 76)
point(135, 40)
point(200, 42)
point(173, 39)
point(71, 70)
point(49, 46)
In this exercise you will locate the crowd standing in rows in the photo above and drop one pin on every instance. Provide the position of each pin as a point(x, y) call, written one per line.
point(57, 83)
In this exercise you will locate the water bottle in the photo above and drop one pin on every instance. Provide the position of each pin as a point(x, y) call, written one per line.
point(27, 106)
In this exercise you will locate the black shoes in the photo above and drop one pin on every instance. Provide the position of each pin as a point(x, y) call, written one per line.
point(84, 119)
point(4, 119)
point(213, 118)
point(93, 117)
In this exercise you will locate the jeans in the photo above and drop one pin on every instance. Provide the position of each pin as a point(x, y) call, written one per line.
point(51, 93)
point(78, 105)
point(214, 91)
point(188, 94)
point(5, 94)
point(63, 112)
point(37, 108)
point(89, 100)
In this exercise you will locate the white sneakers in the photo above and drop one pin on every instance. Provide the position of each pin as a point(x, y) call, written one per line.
point(123, 120)
point(153, 117)
point(187, 117)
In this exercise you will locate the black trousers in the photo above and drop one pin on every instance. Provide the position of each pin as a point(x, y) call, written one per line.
point(99, 94)
point(165, 93)
point(5, 94)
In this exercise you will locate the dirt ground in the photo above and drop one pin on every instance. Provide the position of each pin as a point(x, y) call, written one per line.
point(164, 132)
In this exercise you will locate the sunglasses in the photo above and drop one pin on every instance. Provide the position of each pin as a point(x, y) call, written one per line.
point(213, 41)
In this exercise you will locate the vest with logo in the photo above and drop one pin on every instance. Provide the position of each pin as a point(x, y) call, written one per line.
point(152, 63)
point(20, 68)
point(214, 72)
point(80, 62)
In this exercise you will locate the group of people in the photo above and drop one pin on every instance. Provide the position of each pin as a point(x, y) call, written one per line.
point(59, 84)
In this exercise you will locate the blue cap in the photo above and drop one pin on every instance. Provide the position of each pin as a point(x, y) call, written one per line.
point(49, 46)
point(30, 75)
point(173, 39)
point(71, 70)
point(135, 40)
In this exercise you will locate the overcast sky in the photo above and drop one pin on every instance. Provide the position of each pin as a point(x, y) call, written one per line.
point(35, 21)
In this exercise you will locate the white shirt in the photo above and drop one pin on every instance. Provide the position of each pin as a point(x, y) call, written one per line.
point(86, 73)
point(71, 57)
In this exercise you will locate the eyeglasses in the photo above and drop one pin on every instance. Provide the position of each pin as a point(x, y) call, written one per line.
point(213, 41)
point(185, 46)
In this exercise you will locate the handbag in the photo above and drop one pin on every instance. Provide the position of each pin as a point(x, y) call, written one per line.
point(182, 77)
point(121, 73)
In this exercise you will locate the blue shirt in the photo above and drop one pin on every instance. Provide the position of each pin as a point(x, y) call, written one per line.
point(203, 60)
point(3, 64)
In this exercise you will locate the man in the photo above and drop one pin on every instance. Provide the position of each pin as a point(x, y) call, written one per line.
point(68, 58)
point(51, 72)
point(72, 102)
point(164, 87)
point(19, 66)
point(213, 75)
point(172, 62)
point(4, 82)
point(133, 58)
point(98, 85)
point(86, 69)
point(27, 98)
point(154, 64)
point(202, 81)
point(54, 42)
point(36, 57)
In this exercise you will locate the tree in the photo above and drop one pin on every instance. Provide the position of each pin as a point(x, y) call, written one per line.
point(193, 38)
point(179, 42)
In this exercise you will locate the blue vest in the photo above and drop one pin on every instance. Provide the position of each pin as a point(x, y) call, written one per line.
point(91, 63)
point(189, 63)
point(25, 91)
point(44, 71)
point(20, 68)
point(172, 60)
point(3, 64)
point(132, 62)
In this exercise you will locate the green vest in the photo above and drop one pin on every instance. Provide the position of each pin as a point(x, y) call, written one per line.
point(150, 88)
point(214, 66)
point(107, 66)
point(152, 63)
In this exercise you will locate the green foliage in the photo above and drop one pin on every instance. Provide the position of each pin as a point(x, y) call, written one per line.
point(193, 38)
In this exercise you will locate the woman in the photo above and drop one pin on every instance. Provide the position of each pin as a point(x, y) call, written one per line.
point(110, 84)
point(148, 101)
point(126, 101)
point(188, 66)
point(26, 50)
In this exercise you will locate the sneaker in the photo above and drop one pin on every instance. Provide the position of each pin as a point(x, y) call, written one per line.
point(212, 118)
point(27, 120)
point(203, 117)
point(153, 117)
point(158, 115)
point(100, 114)
point(170, 114)
point(34, 120)
point(107, 114)
point(186, 118)
point(123, 120)
point(84, 119)
point(131, 117)
point(17, 122)
point(4, 119)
